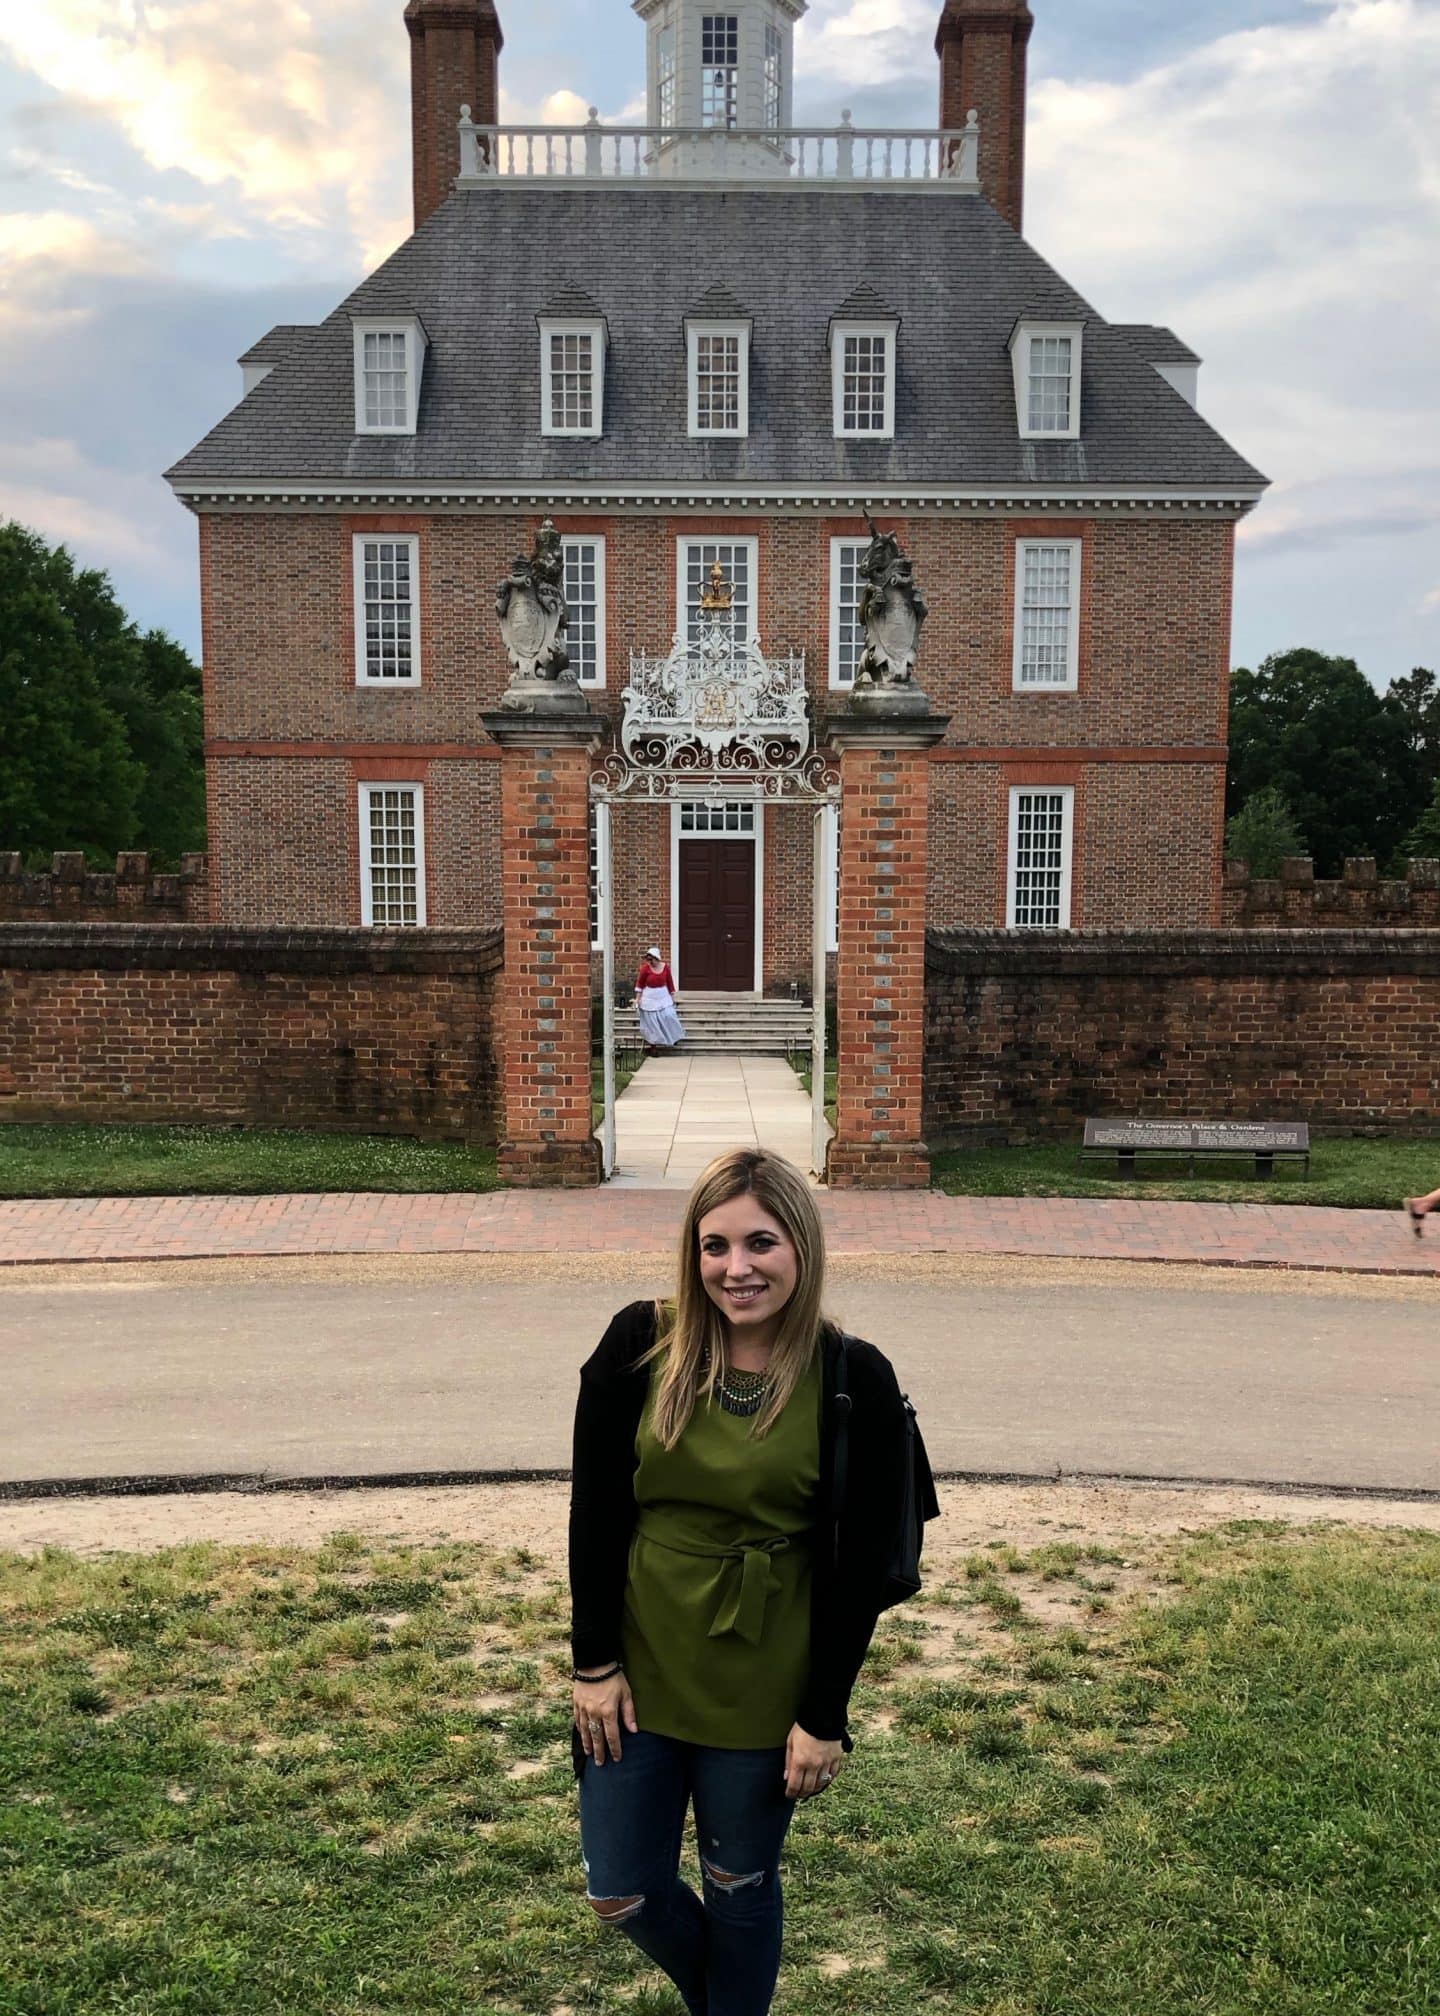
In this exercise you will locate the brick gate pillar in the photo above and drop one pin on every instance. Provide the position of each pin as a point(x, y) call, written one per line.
point(883, 740)
point(548, 1137)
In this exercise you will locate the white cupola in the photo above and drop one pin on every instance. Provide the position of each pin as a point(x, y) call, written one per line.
point(718, 68)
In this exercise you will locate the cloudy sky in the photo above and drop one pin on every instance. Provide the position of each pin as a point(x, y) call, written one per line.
point(1264, 175)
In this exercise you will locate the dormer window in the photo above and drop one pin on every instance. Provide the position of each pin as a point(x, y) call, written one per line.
point(572, 377)
point(719, 378)
point(389, 363)
point(862, 368)
point(1046, 361)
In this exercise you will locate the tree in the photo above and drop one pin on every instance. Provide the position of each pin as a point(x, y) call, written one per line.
point(1263, 832)
point(1415, 701)
point(1422, 842)
point(100, 727)
point(1316, 730)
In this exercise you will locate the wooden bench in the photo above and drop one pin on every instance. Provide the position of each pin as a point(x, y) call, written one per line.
point(1268, 1142)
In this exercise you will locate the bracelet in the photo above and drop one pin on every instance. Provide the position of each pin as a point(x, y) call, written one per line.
point(608, 1674)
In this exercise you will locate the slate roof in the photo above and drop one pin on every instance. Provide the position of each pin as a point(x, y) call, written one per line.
point(284, 338)
point(488, 262)
point(1157, 344)
point(717, 304)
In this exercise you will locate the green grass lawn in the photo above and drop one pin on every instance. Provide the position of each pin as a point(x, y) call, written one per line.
point(1376, 1174)
point(1198, 1775)
point(226, 1161)
point(623, 1074)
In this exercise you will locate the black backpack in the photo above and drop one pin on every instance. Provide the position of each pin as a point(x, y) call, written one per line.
point(918, 1500)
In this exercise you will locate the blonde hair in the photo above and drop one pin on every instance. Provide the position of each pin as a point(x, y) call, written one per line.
point(690, 1331)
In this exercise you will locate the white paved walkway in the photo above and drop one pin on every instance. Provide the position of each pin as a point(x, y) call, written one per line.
point(678, 1113)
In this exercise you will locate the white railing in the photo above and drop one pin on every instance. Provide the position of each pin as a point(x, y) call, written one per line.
point(828, 154)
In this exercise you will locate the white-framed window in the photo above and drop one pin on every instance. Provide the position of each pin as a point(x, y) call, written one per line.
point(572, 377)
point(1047, 615)
point(1041, 840)
point(599, 851)
point(389, 364)
point(392, 854)
point(1046, 360)
point(862, 362)
point(718, 820)
point(665, 76)
point(387, 609)
point(847, 640)
point(719, 377)
point(774, 76)
point(739, 561)
point(585, 601)
point(719, 69)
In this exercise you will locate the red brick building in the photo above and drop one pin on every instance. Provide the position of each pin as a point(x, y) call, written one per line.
point(718, 340)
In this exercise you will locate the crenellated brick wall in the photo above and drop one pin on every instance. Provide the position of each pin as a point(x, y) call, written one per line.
point(1029, 1034)
point(71, 892)
point(1294, 901)
point(347, 1031)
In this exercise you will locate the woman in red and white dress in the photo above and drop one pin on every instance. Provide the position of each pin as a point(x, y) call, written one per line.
point(655, 998)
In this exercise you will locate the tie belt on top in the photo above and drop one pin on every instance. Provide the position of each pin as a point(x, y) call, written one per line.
point(742, 1606)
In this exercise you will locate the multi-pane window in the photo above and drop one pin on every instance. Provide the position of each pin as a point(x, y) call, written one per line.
point(774, 75)
point(571, 381)
point(385, 366)
point(665, 76)
point(718, 364)
point(387, 622)
point(864, 374)
point(585, 601)
point(719, 69)
point(847, 640)
point(729, 818)
point(1047, 584)
point(392, 853)
point(737, 565)
point(1050, 360)
point(1039, 882)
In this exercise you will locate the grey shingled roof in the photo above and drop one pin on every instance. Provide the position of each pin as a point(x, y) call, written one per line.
point(1157, 344)
point(717, 304)
point(480, 270)
point(569, 300)
point(282, 340)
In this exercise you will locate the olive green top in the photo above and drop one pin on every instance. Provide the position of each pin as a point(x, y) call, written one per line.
point(717, 1607)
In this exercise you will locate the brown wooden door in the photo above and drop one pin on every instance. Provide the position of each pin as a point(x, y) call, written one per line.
point(717, 915)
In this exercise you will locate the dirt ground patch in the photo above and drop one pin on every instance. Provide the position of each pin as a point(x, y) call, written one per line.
point(532, 1516)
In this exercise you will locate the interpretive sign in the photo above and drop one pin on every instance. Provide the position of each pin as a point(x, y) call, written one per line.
point(1264, 1139)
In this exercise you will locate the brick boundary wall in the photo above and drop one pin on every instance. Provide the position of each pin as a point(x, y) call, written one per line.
point(1030, 1034)
point(70, 891)
point(345, 1031)
point(1293, 900)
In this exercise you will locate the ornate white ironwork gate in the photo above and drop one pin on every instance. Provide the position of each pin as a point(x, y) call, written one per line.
point(712, 722)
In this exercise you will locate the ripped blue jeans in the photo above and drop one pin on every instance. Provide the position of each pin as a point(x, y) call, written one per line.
point(723, 1954)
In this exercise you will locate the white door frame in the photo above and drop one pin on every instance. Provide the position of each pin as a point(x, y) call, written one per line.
point(677, 838)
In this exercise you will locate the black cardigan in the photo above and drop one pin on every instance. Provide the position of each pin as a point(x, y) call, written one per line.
point(847, 1595)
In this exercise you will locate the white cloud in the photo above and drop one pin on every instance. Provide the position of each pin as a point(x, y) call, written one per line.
point(108, 518)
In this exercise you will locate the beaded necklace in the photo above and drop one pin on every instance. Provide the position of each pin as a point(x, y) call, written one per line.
point(739, 1392)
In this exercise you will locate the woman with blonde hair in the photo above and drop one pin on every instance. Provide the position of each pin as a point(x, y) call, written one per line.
point(722, 1599)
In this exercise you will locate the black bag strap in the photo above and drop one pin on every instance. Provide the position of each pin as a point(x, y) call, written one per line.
point(843, 1404)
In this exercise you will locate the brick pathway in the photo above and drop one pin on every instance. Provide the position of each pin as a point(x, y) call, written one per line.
point(645, 1221)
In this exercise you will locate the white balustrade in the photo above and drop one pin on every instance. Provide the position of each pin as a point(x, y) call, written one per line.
point(842, 155)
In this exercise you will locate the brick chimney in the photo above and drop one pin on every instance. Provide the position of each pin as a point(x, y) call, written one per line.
point(454, 60)
point(982, 44)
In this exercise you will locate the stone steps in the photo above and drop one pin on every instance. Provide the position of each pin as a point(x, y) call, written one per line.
point(733, 1024)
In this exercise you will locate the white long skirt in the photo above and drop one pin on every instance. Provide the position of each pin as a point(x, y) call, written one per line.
point(660, 1026)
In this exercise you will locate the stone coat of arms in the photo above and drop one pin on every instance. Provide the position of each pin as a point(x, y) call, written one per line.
point(890, 613)
point(530, 603)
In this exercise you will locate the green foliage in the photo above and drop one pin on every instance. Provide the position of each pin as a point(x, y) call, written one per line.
point(1263, 832)
point(1422, 842)
point(1344, 758)
point(100, 726)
